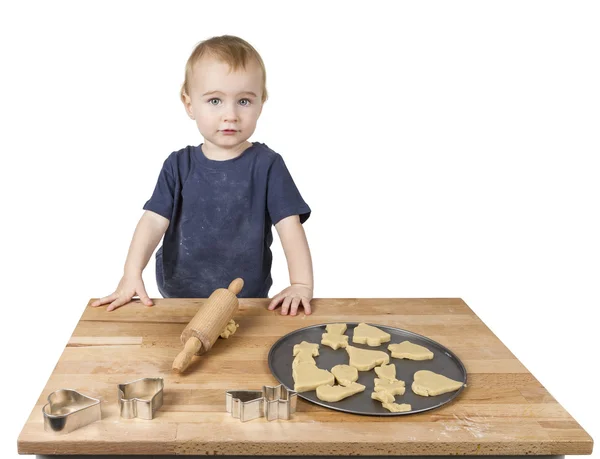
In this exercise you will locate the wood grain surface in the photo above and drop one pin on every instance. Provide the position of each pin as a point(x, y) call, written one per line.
point(504, 410)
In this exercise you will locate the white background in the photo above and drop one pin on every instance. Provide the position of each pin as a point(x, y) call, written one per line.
point(446, 149)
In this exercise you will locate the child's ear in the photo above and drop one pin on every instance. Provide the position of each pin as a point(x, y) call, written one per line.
point(187, 103)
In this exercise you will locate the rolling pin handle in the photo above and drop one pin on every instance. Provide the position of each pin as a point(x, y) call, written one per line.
point(236, 286)
point(183, 359)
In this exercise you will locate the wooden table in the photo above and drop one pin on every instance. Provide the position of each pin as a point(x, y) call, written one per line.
point(503, 411)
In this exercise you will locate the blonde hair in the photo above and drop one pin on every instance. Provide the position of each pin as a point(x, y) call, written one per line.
point(229, 49)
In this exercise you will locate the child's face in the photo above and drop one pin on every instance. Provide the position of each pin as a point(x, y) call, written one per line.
point(221, 100)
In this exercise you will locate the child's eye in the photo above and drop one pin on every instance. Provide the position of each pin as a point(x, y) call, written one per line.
point(214, 98)
point(247, 100)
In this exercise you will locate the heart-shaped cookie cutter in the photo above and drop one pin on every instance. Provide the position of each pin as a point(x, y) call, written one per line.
point(68, 410)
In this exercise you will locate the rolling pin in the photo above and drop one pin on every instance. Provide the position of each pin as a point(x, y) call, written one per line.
point(208, 323)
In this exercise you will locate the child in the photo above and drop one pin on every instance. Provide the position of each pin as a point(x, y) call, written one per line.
point(215, 203)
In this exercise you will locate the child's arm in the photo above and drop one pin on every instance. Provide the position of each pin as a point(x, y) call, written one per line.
point(293, 239)
point(146, 237)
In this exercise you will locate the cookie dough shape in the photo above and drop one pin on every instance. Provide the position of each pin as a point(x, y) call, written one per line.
point(427, 383)
point(367, 334)
point(384, 397)
point(303, 356)
point(308, 377)
point(345, 374)
point(387, 372)
point(329, 393)
point(364, 359)
point(392, 387)
point(411, 351)
point(397, 408)
point(334, 341)
point(306, 346)
point(230, 329)
point(336, 329)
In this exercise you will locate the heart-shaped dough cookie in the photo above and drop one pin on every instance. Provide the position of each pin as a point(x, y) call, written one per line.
point(334, 341)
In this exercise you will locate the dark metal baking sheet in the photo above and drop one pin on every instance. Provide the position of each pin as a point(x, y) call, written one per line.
point(444, 362)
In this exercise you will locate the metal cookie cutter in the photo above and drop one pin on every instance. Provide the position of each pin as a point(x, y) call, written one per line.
point(141, 398)
point(244, 405)
point(279, 403)
point(68, 410)
point(272, 402)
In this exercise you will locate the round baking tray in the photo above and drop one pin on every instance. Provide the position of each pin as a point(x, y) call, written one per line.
point(444, 362)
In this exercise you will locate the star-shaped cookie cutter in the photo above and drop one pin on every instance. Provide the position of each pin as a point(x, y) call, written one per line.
point(279, 402)
point(141, 398)
point(272, 402)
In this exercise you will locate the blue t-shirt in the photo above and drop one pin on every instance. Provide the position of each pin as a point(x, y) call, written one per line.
point(220, 216)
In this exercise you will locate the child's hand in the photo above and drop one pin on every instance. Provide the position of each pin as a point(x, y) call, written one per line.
point(126, 290)
point(294, 295)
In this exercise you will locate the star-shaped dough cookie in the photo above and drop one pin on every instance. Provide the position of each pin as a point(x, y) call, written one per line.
point(334, 341)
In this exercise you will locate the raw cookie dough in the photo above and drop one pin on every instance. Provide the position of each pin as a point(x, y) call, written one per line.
point(230, 329)
point(336, 329)
point(367, 334)
point(329, 393)
point(334, 341)
point(386, 372)
point(408, 350)
point(304, 345)
point(396, 408)
point(345, 374)
point(428, 383)
point(308, 377)
point(303, 356)
point(384, 397)
point(364, 359)
point(392, 387)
